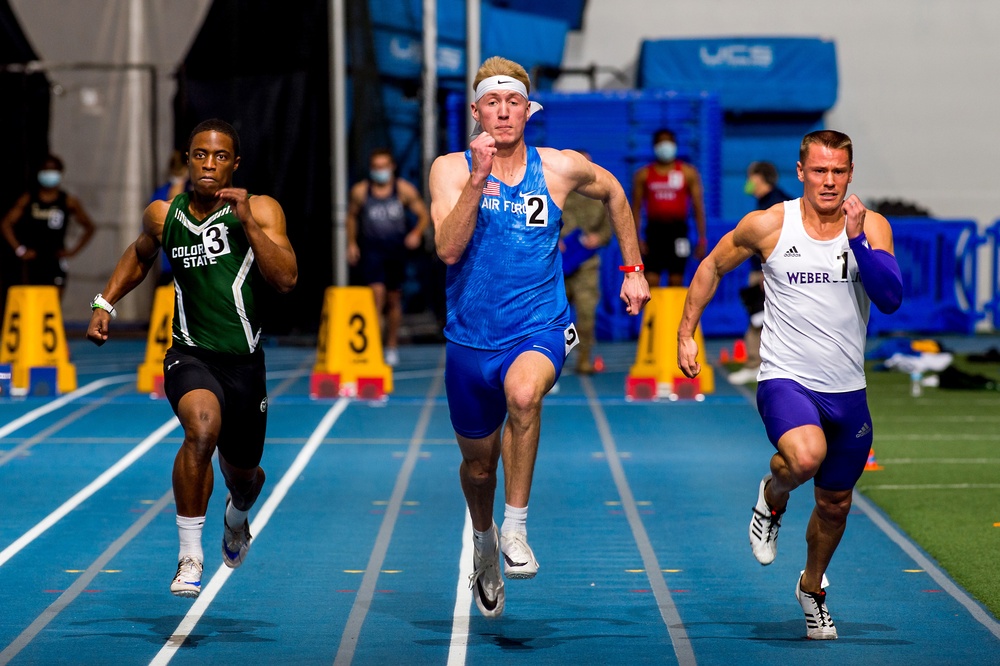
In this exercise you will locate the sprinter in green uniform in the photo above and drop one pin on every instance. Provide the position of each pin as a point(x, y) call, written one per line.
point(223, 246)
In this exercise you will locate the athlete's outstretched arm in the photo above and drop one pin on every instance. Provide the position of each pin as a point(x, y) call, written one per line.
point(594, 181)
point(735, 247)
point(131, 270)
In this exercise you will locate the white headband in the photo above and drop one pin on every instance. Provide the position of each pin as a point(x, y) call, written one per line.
point(492, 83)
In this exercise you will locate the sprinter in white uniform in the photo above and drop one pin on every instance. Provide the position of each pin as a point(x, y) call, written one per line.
point(825, 260)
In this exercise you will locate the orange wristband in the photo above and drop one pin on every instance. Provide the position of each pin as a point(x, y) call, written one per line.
point(637, 268)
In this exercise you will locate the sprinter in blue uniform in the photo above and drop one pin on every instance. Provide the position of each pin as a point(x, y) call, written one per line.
point(497, 212)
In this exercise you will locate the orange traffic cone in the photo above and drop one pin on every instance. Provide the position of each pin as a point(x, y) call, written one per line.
point(872, 464)
point(724, 355)
point(740, 352)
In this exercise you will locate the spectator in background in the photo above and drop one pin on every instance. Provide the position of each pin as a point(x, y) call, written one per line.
point(586, 229)
point(377, 237)
point(179, 181)
point(762, 184)
point(668, 188)
point(35, 227)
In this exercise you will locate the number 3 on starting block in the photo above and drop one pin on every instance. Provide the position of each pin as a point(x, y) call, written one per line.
point(349, 352)
point(34, 337)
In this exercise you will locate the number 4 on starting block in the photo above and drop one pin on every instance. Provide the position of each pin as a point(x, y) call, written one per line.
point(34, 338)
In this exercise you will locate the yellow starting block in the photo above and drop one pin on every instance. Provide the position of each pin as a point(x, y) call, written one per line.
point(349, 358)
point(34, 342)
point(149, 377)
point(655, 373)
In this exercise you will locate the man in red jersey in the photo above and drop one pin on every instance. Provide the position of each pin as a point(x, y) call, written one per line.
point(667, 188)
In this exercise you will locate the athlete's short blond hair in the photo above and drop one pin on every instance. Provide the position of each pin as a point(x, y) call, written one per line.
point(497, 66)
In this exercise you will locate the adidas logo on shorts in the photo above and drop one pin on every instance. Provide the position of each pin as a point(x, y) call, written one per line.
point(865, 429)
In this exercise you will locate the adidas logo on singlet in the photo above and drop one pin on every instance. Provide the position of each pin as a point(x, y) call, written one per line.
point(792, 252)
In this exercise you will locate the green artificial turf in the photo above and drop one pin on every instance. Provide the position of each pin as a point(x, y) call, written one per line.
point(940, 481)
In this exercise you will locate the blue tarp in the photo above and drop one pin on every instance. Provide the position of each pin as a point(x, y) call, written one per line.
point(750, 74)
point(528, 39)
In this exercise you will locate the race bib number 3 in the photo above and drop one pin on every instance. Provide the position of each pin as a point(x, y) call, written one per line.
point(216, 240)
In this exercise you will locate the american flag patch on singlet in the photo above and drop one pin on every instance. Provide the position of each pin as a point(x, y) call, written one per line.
point(492, 188)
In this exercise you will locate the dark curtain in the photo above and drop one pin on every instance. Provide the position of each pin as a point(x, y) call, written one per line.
point(24, 127)
point(264, 69)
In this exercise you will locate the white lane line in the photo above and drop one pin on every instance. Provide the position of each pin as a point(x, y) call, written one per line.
point(460, 617)
point(44, 434)
point(80, 584)
point(366, 590)
point(668, 610)
point(95, 485)
point(25, 419)
point(925, 563)
point(208, 592)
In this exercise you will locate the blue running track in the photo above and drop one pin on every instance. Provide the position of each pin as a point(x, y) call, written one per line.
point(638, 517)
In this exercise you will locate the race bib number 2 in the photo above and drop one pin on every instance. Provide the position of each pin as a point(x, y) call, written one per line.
point(536, 210)
point(572, 337)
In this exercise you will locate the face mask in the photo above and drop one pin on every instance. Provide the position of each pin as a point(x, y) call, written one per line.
point(748, 187)
point(665, 151)
point(381, 176)
point(49, 178)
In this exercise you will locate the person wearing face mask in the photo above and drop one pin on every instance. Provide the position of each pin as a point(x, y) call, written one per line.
point(35, 228)
point(668, 188)
point(762, 184)
point(378, 240)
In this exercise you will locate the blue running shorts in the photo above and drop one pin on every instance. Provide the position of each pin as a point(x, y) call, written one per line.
point(844, 418)
point(473, 379)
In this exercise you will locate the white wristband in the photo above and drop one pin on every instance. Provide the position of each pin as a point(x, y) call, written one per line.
point(20, 251)
point(102, 303)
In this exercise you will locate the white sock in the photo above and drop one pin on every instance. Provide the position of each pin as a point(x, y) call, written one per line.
point(189, 531)
point(234, 517)
point(514, 520)
point(486, 541)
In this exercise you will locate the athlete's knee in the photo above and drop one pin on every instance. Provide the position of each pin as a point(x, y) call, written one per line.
point(524, 401)
point(802, 464)
point(479, 472)
point(833, 506)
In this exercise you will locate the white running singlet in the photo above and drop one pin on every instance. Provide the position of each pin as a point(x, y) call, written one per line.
point(815, 311)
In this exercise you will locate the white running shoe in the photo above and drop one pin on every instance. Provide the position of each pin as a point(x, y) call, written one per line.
point(764, 528)
point(819, 624)
point(235, 543)
point(743, 376)
point(392, 357)
point(187, 580)
point(518, 559)
point(485, 581)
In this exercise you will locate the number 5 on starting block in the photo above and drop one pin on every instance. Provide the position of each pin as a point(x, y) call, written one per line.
point(34, 337)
